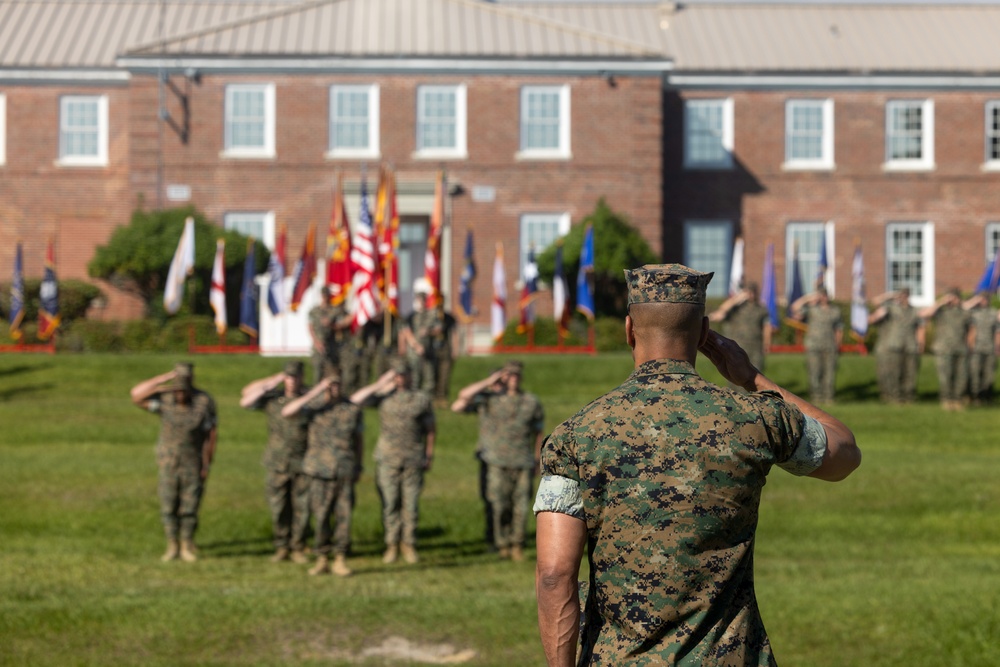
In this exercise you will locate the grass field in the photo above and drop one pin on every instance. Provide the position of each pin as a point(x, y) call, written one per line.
point(898, 565)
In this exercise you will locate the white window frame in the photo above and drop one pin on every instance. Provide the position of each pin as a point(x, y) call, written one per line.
point(560, 151)
point(827, 228)
point(372, 149)
point(266, 218)
point(926, 160)
point(3, 129)
point(719, 287)
point(726, 138)
point(991, 162)
point(992, 237)
point(460, 149)
point(926, 295)
point(267, 150)
point(825, 160)
point(560, 221)
point(101, 158)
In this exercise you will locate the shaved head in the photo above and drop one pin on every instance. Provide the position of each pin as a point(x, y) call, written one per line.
point(659, 323)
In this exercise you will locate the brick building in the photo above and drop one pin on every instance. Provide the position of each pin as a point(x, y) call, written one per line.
point(700, 122)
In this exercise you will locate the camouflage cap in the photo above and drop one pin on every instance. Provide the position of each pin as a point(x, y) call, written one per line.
point(293, 368)
point(183, 376)
point(400, 366)
point(666, 283)
point(514, 366)
point(331, 371)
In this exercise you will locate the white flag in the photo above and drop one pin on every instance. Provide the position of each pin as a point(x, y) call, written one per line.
point(498, 310)
point(859, 311)
point(217, 294)
point(736, 269)
point(180, 268)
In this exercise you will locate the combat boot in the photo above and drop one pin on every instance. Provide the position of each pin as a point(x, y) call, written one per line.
point(391, 554)
point(503, 552)
point(322, 566)
point(173, 550)
point(300, 557)
point(189, 553)
point(410, 554)
point(517, 554)
point(340, 566)
point(280, 555)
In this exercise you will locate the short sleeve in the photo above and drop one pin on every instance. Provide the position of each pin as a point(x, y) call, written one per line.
point(785, 425)
point(154, 405)
point(559, 494)
point(808, 454)
point(558, 454)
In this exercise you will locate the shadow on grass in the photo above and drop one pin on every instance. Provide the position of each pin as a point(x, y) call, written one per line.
point(24, 391)
point(23, 368)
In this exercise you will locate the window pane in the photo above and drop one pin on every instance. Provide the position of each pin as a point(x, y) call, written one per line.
point(993, 131)
point(247, 118)
point(906, 259)
point(807, 238)
point(538, 232)
point(437, 118)
point(708, 246)
point(805, 131)
point(540, 118)
point(248, 224)
point(351, 114)
point(80, 134)
point(705, 133)
point(905, 131)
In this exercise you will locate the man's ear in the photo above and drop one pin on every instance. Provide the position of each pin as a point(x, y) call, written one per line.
point(629, 334)
point(703, 336)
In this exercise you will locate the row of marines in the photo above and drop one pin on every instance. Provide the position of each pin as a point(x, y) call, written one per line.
point(314, 457)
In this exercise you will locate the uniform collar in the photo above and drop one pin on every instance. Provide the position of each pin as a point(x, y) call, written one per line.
point(664, 367)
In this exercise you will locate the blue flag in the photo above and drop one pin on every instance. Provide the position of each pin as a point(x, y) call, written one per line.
point(468, 275)
point(769, 296)
point(48, 312)
point(248, 293)
point(584, 277)
point(795, 291)
point(991, 276)
point(824, 262)
point(17, 297)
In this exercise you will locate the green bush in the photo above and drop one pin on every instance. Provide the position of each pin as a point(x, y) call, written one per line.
point(75, 296)
point(144, 335)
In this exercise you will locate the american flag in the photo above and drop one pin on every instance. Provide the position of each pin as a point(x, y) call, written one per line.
point(364, 257)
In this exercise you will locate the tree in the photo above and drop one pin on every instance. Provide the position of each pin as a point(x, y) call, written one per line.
point(617, 246)
point(137, 259)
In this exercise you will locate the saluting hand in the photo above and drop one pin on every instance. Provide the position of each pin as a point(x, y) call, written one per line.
point(731, 359)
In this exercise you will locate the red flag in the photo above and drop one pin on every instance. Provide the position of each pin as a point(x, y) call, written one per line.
point(338, 248)
point(388, 248)
point(305, 268)
point(48, 313)
point(217, 292)
point(432, 259)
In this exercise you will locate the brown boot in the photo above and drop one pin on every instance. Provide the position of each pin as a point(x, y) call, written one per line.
point(189, 552)
point(280, 555)
point(340, 566)
point(322, 566)
point(410, 554)
point(300, 557)
point(517, 554)
point(503, 552)
point(173, 550)
point(391, 554)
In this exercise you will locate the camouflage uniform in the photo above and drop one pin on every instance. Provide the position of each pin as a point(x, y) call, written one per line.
point(951, 351)
point(897, 356)
point(424, 367)
point(321, 321)
point(982, 357)
point(444, 356)
point(821, 349)
point(405, 418)
point(383, 352)
point(287, 486)
point(508, 426)
point(355, 361)
point(669, 470)
point(745, 325)
point(184, 428)
point(331, 466)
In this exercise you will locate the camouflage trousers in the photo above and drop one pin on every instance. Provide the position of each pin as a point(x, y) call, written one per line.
point(332, 498)
point(180, 490)
point(399, 487)
point(424, 372)
point(288, 498)
point(953, 375)
point(509, 492)
point(897, 375)
point(822, 366)
point(442, 376)
point(982, 373)
point(355, 369)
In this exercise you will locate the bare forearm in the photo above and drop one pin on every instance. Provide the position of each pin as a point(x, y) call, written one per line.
point(558, 619)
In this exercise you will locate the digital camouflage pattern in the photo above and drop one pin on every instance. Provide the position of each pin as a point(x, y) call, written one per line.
point(897, 356)
point(821, 349)
point(666, 283)
point(745, 325)
point(951, 350)
point(428, 328)
point(287, 437)
point(333, 428)
point(184, 430)
point(508, 426)
point(898, 331)
point(405, 417)
point(321, 320)
point(671, 469)
point(509, 493)
point(982, 358)
point(399, 487)
point(332, 498)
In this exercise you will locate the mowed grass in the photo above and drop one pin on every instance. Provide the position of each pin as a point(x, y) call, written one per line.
point(898, 565)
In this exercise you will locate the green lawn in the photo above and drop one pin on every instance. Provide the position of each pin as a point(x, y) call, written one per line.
point(898, 565)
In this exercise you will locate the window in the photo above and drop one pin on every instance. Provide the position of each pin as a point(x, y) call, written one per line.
point(539, 231)
point(708, 246)
point(993, 134)
point(3, 129)
point(909, 134)
point(708, 134)
point(259, 225)
point(992, 240)
point(544, 121)
point(250, 120)
point(354, 121)
point(809, 134)
point(441, 121)
point(910, 260)
point(83, 130)
point(809, 240)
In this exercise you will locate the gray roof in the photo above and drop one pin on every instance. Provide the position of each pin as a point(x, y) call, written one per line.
point(734, 38)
